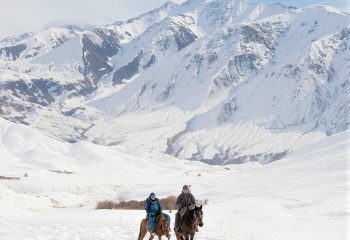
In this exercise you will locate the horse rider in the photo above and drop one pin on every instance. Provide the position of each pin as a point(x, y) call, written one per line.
point(185, 201)
point(153, 208)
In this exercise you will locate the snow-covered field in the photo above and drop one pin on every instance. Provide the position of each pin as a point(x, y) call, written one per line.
point(303, 196)
point(117, 111)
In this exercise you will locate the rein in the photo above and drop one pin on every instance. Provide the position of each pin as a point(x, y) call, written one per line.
point(197, 216)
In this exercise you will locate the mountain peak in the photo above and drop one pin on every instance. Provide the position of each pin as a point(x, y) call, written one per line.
point(169, 4)
point(325, 8)
point(211, 74)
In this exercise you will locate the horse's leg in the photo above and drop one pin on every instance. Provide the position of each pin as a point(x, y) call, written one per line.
point(143, 230)
point(178, 237)
point(192, 236)
point(151, 237)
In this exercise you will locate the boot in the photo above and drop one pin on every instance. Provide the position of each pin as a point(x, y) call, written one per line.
point(177, 222)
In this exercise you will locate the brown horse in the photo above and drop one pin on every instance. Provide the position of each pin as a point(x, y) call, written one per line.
point(191, 220)
point(161, 228)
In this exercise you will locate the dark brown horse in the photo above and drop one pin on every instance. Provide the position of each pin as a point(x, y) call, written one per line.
point(191, 220)
point(161, 228)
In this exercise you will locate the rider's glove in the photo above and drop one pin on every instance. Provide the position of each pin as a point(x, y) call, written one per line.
point(192, 207)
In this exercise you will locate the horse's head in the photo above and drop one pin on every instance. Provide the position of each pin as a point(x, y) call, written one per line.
point(198, 214)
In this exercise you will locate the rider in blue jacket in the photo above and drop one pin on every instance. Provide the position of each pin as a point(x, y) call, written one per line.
point(153, 208)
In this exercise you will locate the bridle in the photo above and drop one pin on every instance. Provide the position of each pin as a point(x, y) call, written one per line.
point(197, 216)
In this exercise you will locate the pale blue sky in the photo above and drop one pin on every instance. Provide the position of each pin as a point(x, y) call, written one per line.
point(18, 16)
point(342, 4)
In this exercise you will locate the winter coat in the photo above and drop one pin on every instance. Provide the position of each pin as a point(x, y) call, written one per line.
point(185, 200)
point(152, 207)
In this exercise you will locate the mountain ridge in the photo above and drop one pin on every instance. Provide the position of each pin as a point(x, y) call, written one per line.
point(215, 81)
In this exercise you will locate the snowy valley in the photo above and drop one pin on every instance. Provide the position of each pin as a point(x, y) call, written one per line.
point(300, 197)
point(247, 102)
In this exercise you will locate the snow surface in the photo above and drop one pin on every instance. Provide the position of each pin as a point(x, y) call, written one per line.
point(229, 80)
point(70, 52)
point(303, 196)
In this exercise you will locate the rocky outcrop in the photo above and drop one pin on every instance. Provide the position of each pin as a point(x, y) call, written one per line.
point(12, 52)
point(96, 53)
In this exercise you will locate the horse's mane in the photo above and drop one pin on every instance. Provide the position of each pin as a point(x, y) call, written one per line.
point(189, 216)
point(163, 223)
point(192, 211)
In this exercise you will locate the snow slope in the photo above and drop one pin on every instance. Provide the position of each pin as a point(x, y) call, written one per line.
point(217, 81)
point(303, 196)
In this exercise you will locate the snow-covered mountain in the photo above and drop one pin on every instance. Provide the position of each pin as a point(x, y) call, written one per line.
point(218, 81)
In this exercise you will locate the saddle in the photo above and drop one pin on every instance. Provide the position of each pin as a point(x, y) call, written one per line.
point(155, 220)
